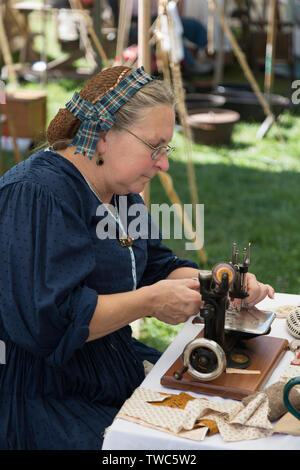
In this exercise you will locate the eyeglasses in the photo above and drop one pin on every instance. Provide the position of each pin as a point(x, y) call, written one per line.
point(158, 151)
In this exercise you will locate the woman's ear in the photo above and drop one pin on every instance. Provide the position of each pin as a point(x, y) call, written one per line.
point(101, 144)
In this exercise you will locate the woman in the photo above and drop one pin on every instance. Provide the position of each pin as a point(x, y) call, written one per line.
point(67, 296)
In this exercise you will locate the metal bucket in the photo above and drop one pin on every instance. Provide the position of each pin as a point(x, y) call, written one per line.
point(213, 126)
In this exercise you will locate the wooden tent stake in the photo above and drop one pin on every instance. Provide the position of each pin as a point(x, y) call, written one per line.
point(210, 29)
point(219, 64)
point(162, 56)
point(125, 16)
point(77, 4)
point(176, 74)
point(243, 62)
point(180, 103)
point(269, 64)
point(12, 132)
point(144, 20)
point(167, 183)
point(144, 56)
point(4, 46)
point(182, 112)
point(270, 48)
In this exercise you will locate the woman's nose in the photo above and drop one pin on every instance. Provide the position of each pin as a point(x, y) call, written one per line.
point(163, 162)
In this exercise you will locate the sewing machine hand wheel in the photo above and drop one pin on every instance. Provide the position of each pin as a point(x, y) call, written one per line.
point(204, 359)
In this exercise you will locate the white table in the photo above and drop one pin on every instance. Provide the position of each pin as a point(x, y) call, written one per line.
point(124, 435)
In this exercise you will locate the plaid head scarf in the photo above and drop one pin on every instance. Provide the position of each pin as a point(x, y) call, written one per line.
point(100, 115)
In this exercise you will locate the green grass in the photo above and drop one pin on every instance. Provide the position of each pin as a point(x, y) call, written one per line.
point(250, 191)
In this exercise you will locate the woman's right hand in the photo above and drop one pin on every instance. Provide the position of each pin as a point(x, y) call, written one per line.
point(175, 301)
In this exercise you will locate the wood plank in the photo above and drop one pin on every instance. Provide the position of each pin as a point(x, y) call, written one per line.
point(265, 351)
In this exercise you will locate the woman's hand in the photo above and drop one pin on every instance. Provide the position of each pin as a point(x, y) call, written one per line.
point(175, 301)
point(256, 290)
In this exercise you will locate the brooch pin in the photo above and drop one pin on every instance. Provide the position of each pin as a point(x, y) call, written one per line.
point(126, 241)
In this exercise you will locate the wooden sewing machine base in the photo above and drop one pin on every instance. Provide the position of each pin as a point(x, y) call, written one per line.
point(265, 351)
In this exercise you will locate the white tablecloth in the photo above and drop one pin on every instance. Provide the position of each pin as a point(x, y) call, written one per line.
point(124, 435)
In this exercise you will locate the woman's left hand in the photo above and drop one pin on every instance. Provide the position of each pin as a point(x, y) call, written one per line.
point(256, 290)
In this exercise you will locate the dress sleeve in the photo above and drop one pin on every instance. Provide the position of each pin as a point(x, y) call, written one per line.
point(45, 254)
point(161, 260)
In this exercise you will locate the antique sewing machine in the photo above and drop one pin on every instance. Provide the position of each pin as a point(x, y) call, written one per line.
point(232, 336)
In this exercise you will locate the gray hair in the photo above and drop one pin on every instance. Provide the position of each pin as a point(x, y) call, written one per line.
point(153, 94)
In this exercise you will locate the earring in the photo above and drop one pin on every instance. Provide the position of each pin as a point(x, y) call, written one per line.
point(100, 161)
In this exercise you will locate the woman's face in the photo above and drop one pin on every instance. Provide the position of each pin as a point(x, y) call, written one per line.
point(128, 165)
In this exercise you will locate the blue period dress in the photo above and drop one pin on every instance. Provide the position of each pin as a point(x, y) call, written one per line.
point(57, 391)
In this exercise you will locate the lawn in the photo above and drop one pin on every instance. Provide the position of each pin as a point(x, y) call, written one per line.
point(250, 191)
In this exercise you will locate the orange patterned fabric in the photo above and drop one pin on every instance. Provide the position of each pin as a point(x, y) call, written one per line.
point(180, 401)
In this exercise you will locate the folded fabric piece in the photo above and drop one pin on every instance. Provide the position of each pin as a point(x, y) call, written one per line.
point(288, 424)
point(235, 421)
point(173, 419)
point(290, 372)
point(247, 422)
point(180, 401)
point(140, 408)
point(284, 310)
point(294, 345)
point(196, 434)
point(274, 394)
